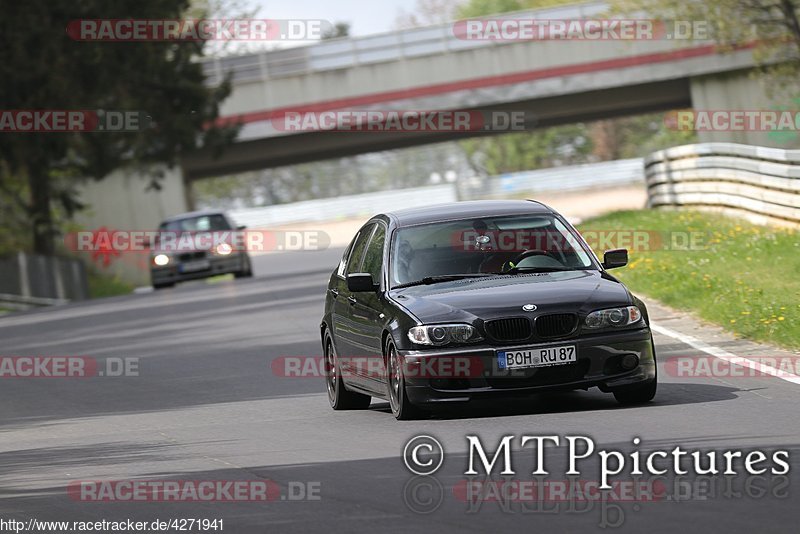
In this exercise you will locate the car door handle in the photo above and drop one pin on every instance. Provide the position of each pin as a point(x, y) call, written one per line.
point(351, 299)
point(334, 292)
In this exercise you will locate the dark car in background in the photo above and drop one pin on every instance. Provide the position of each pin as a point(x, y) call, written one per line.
point(507, 290)
point(175, 262)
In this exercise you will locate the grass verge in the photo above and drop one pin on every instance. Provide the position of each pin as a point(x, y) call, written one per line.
point(742, 276)
point(103, 285)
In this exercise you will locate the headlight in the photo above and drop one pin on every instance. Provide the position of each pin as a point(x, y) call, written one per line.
point(223, 249)
point(442, 334)
point(161, 259)
point(613, 317)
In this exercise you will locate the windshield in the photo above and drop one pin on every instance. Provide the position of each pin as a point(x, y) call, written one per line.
point(203, 223)
point(485, 245)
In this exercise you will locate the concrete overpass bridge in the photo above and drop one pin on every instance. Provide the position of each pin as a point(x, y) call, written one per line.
point(432, 68)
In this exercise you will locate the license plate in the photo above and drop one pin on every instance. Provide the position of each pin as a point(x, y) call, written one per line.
point(536, 357)
point(192, 266)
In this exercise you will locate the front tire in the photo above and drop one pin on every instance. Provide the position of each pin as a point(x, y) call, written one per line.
point(402, 408)
point(247, 269)
point(338, 395)
point(164, 285)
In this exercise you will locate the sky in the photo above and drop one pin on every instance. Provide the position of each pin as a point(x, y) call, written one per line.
point(365, 16)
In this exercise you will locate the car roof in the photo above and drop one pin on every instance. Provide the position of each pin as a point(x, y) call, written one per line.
point(193, 214)
point(466, 210)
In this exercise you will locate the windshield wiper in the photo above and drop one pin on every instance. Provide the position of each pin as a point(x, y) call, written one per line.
point(442, 278)
point(524, 270)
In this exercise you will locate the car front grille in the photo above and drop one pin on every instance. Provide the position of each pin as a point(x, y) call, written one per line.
point(541, 376)
point(189, 256)
point(556, 324)
point(510, 329)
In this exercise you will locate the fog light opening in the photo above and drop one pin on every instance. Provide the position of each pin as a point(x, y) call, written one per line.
point(629, 361)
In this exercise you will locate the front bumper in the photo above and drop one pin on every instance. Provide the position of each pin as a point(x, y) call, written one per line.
point(217, 265)
point(476, 374)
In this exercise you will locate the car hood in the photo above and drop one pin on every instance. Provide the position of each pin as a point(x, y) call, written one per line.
point(503, 296)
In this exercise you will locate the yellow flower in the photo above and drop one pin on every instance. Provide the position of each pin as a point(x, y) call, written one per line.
point(780, 318)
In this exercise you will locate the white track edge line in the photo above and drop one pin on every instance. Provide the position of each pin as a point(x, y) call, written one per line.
point(725, 355)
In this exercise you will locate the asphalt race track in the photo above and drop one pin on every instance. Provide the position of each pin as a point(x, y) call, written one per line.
point(208, 405)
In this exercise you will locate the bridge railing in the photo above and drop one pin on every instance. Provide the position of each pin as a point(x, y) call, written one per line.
point(391, 46)
point(761, 184)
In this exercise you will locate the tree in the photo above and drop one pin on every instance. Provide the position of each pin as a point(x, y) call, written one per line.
point(428, 12)
point(43, 68)
point(339, 29)
point(482, 8)
point(772, 27)
point(550, 147)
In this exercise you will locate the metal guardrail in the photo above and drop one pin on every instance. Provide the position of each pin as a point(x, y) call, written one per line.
point(17, 302)
point(34, 280)
point(391, 46)
point(760, 183)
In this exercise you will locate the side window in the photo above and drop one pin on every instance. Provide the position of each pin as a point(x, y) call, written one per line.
point(354, 262)
point(374, 257)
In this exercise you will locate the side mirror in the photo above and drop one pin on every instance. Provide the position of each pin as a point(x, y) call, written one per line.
point(241, 227)
point(360, 282)
point(615, 258)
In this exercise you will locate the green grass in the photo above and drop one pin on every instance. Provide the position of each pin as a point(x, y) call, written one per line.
point(742, 276)
point(219, 278)
point(103, 285)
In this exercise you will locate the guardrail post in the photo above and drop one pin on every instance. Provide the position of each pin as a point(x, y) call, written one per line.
point(24, 277)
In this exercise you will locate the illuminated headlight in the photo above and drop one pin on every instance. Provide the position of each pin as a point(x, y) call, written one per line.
point(223, 249)
point(613, 317)
point(161, 259)
point(442, 334)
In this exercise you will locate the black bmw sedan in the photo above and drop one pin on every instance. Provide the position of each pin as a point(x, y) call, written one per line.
point(448, 304)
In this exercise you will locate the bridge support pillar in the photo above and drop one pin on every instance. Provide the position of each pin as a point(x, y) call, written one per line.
point(735, 91)
point(123, 200)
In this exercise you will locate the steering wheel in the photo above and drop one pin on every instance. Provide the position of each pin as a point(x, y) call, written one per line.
point(552, 259)
point(531, 252)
